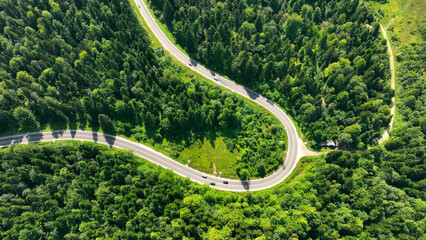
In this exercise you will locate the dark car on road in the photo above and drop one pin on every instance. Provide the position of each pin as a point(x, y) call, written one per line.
point(225, 182)
point(212, 183)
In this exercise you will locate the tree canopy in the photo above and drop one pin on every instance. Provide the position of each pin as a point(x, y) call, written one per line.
point(323, 61)
point(74, 190)
point(90, 65)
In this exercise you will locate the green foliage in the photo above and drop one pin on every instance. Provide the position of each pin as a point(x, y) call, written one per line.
point(81, 64)
point(105, 123)
point(292, 25)
point(244, 174)
point(320, 60)
point(74, 190)
point(407, 144)
point(86, 191)
point(412, 84)
point(25, 118)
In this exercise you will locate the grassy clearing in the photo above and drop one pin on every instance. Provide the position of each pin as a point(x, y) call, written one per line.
point(208, 152)
point(203, 155)
point(409, 16)
point(404, 30)
point(390, 9)
point(184, 71)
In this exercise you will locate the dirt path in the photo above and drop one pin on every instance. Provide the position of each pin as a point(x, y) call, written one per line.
point(214, 169)
point(392, 68)
point(389, 23)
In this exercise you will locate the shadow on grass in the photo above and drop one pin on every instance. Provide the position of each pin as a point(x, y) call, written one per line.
point(211, 137)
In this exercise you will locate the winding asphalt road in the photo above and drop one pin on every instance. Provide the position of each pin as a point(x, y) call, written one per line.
point(146, 153)
point(296, 148)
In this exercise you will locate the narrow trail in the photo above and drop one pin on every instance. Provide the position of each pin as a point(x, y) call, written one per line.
point(392, 68)
point(406, 4)
point(389, 23)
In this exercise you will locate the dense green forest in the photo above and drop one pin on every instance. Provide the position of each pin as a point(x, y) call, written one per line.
point(324, 61)
point(90, 65)
point(405, 165)
point(407, 143)
point(81, 64)
point(85, 191)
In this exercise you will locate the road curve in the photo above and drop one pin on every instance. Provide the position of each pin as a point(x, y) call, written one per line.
point(146, 153)
point(296, 148)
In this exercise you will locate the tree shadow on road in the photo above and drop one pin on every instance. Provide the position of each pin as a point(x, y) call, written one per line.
point(110, 140)
point(253, 95)
point(11, 140)
point(57, 134)
point(246, 184)
point(95, 136)
point(34, 137)
point(73, 133)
